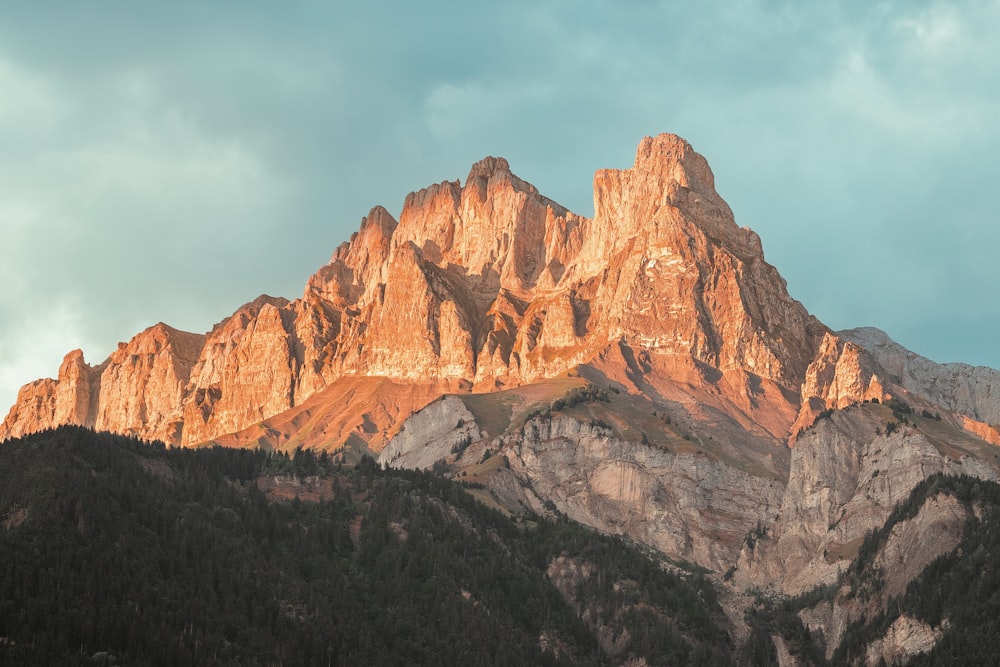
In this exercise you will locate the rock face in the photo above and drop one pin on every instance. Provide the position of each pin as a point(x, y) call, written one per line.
point(491, 285)
point(137, 390)
point(970, 390)
point(49, 402)
point(431, 435)
point(905, 638)
point(912, 545)
point(846, 476)
point(686, 505)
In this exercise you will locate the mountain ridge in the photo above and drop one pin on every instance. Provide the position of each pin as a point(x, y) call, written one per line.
point(484, 286)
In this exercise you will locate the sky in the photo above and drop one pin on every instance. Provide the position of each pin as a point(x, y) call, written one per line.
point(170, 161)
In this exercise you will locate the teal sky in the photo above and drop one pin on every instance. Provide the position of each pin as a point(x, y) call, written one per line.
point(170, 161)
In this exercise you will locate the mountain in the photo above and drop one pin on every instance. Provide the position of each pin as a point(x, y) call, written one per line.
point(476, 288)
point(643, 372)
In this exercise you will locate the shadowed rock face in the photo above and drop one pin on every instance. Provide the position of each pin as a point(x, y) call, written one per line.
point(971, 390)
point(484, 286)
point(845, 478)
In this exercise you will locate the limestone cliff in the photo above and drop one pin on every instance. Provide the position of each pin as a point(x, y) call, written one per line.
point(49, 402)
point(847, 473)
point(137, 390)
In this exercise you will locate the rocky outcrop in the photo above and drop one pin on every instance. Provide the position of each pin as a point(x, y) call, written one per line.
point(911, 545)
point(143, 383)
point(846, 476)
point(971, 390)
point(906, 637)
point(137, 390)
point(685, 505)
point(840, 375)
point(433, 434)
point(49, 402)
point(245, 373)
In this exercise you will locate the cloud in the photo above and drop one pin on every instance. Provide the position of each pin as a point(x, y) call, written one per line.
point(169, 162)
point(128, 212)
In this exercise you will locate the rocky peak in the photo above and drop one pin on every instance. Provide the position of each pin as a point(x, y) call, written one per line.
point(138, 389)
point(249, 310)
point(492, 285)
point(372, 238)
point(497, 232)
point(356, 264)
point(662, 165)
point(488, 168)
point(671, 159)
point(670, 186)
point(74, 389)
point(141, 387)
point(162, 335)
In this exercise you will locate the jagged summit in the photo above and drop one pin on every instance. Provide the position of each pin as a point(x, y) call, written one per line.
point(488, 168)
point(489, 286)
point(671, 158)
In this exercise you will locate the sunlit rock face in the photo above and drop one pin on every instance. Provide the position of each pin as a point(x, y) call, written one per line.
point(138, 390)
point(47, 402)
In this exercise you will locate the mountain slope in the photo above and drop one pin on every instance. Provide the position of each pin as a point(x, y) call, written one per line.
point(920, 592)
point(115, 551)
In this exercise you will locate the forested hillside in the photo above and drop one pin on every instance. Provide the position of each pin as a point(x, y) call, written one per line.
point(115, 551)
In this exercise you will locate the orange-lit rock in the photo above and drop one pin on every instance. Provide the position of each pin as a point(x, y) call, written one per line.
point(142, 386)
point(46, 403)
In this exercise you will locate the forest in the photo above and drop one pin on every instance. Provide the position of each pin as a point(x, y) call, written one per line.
point(115, 551)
